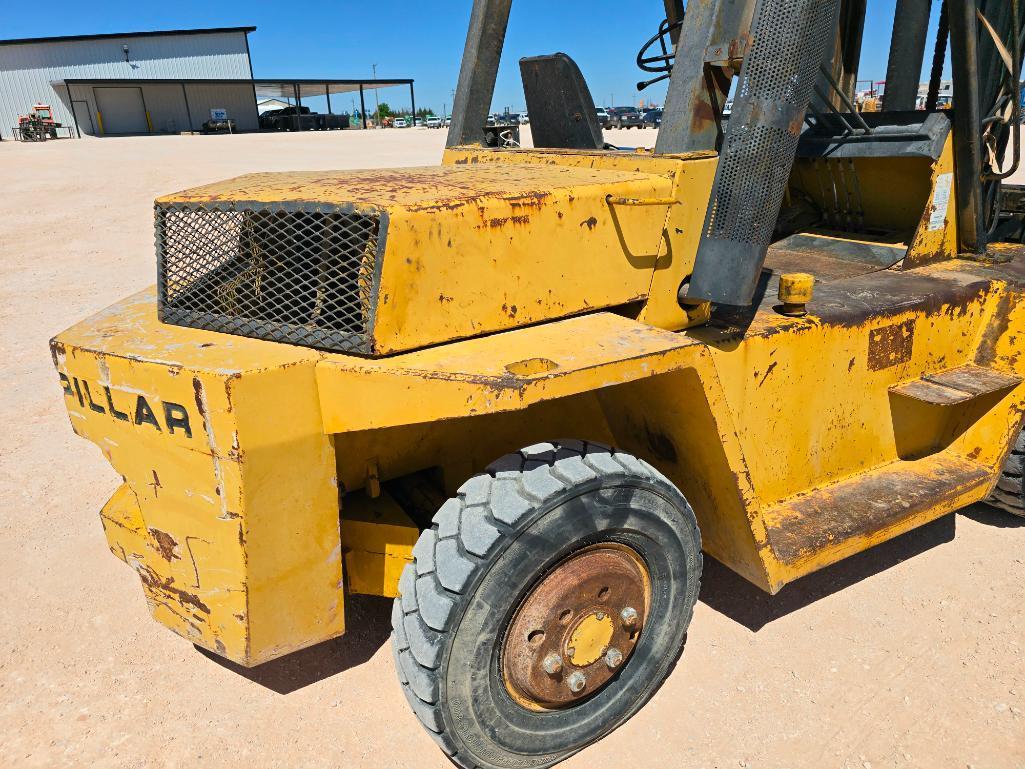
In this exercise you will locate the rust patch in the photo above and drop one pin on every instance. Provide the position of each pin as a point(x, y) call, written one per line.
point(768, 371)
point(156, 483)
point(57, 351)
point(870, 504)
point(166, 544)
point(891, 346)
point(996, 329)
point(197, 388)
point(165, 585)
point(500, 221)
point(702, 116)
point(570, 621)
point(589, 223)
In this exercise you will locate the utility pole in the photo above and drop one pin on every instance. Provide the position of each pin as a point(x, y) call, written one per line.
point(377, 100)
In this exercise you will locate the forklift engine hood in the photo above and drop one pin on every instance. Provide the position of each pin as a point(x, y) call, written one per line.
point(384, 261)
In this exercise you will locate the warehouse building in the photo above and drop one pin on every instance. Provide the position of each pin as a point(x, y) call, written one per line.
point(111, 84)
point(166, 81)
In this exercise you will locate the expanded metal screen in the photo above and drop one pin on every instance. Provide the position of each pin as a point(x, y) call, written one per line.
point(303, 274)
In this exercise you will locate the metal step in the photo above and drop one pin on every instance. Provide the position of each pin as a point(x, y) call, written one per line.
point(834, 521)
point(957, 385)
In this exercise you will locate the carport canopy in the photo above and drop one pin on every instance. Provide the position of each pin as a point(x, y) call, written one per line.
point(297, 90)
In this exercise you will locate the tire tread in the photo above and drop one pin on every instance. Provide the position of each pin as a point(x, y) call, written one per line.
point(487, 508)
point(1009, 494)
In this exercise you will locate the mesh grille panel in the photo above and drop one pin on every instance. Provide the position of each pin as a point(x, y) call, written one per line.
point(297, 274)
point(752, 184)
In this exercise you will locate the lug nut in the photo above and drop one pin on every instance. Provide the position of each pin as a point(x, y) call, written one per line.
point(613, 658)
point(576, 682)
point(629, 617)
point(552, 664)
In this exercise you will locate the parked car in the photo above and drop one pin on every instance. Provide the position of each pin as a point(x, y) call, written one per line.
point(418, 122)
point(287, 119)
point(625, 117)
point(448, 121)
point(400, 122)
point(433, 122)
point(603, 116)
point(652, 119)
point(522, 118)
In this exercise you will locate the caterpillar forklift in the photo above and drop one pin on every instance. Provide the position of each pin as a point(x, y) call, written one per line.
point(524, 391)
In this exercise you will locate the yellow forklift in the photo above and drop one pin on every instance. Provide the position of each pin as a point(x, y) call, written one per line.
point(522, 392)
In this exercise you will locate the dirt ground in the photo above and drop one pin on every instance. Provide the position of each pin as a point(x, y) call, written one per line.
point(910, 655)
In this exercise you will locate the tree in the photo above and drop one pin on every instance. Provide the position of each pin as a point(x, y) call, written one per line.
point(384, 110)
point(425, 112)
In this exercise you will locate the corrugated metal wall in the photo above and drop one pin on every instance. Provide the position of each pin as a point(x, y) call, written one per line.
point(26, 72)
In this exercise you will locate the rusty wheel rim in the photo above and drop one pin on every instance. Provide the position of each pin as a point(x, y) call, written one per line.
point(577, 628)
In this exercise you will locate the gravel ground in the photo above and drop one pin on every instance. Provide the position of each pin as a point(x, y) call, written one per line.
point(909, 655)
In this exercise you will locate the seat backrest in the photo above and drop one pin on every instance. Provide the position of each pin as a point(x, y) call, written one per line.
point(562, 113)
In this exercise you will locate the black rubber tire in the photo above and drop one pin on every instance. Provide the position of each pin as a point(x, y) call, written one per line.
point(486, 548)
point(1009, 493)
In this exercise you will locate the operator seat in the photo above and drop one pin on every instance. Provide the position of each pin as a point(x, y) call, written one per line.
point(562, 113)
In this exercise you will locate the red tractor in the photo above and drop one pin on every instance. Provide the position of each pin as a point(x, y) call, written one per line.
point(38, 125)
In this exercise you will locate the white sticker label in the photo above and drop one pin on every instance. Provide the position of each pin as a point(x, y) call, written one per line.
point(940, 201)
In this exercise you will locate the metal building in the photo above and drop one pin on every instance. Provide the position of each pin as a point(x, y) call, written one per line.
point(109, 84)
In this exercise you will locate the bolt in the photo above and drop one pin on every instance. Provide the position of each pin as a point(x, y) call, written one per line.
point(613, 658)
point(629, 617)
point(600, 616)
point(552, 664)
point(576, 682)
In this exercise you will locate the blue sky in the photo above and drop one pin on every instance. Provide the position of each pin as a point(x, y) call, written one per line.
point(422, 40)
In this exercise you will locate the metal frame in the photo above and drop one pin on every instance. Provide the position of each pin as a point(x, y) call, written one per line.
point(478, 72)
point(714, 34)
point(907, 52)
point(964, 56)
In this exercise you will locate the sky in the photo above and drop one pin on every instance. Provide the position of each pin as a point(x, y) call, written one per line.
point(422, 40)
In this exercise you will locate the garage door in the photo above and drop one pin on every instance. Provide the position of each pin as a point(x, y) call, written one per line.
point(121, 110)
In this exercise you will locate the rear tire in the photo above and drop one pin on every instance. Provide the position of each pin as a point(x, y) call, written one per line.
point(486, 550)
point(1009, 493)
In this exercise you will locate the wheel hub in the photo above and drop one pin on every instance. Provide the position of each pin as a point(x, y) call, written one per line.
point(576, 628)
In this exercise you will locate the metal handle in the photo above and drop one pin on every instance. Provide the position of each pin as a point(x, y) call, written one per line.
point(614, 201)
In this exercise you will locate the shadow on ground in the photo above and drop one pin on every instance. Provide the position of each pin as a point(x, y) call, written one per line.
point(368, 617)
point(368, 623)
point(738, 599)
point(992, 516)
